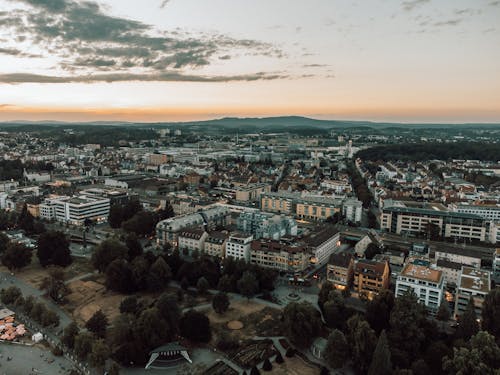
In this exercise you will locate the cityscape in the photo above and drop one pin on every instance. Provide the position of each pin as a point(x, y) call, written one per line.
point(193, 187)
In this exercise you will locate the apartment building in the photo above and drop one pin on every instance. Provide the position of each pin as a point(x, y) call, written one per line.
point(496, 265)
point(451, 271)
point(251, 192)
point(238, 246)
point(317, 208)
point(352, 210)
point(397, 219)
point(473, 283)
point(168, 230)
point(340, 270)
point(322, 243)
point(488, 212)
point(192, 240)
point(266, 225)
point(426, 283)
point(215, 244)
point(279, 202)
point(463, 256)
point(279, 255)
point(370, 277)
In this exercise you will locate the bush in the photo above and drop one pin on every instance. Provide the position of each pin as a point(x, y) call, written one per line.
point(290, 352)
point(254, 371)
point(57, 351)
point(279, 358)
point(267, 366)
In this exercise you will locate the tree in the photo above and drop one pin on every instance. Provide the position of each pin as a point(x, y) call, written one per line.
point(225, 284)
point(25, 220)
point(195, 326)
point(362, 341)
point(220, 303)
point(248, 284)
point(324, 293)
point(381, 361)
point(98, 324)
point(53, 248)
point(337, 349)
point(49, 318)
point(378, 310)
point(420, 367)
point(119, 276)
point(106, 252)
point(372, 250)
point(267, 366)
point(83, 345)
point(10, 295)
point(69, 334)
point(54, 284)
point(115, 218)
point(159, 275)
point(202, 285)
point(169, 311)
point(406, 335)
point(443, 314)
point(279, 358)
point(142, 223)
point(254, 371)
point(302, 323)
point(129, 305)
point(491, 313)
point(114, 369)
point(99, 354)
point(133, 245)
point(334, 310)
point(468, 325)
point(16, 256)
point(4, 241)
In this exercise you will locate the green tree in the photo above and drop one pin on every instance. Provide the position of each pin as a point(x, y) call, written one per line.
point(324, 293)
point(169, 311)
point(10, 295)
point(119, 276)
point(202, 285)
point(54, 284)
point(381, 361)
point(468, 325)
point(69, 334)
point(267, 366)
point(362, 341)
point(99, 354)
point(334, 311)
point(4, 241)
point(378, 310)
point(248, 284)
point(25, 220)
point(114, 369)
point(491, 313)
point(302, 323)
point(16, 256)
point(129, 305)
point(443, 314)
point(83, 345)
point(115, 218)
point(53, 248)
point(159, 275)
point(133, 246)
point(98, 324)
point(220, 303)
point(106, 252)
point(337, 349)
point(195, 326)
point(225, 284)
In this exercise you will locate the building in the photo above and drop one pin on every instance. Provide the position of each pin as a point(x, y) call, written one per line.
point(251, 192)
point(352, 210)
point(473, 283)
point(282, 203)
point(370, 277)
point(413, 221)
point(460, 255)
point(340, 270)
point(238, 246)
point(167, 231)
point(322, 243)
point(75, 210)
point(215, 244)
point(192, 240)
point(159, 159)
point(266, 225)
point(317, 208)
point(489, 212)
point(451, 271)
point(426, 283)
point(496, 265)
point(279, 255)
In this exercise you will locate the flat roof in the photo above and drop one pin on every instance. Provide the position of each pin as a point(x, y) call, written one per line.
point(475, 279)
point(424, 211)
point(422, 273)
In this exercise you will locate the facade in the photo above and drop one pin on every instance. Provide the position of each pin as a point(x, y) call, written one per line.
point(279, 255)
point(266, 225)
point(426, 283)
point(238, 246)
point(159, 159)
point(340, 270)
point(282, 203)
point(489, 212)
point(414, 221)
point(168, 230)
point(459, 255)
point(352, 210)
point(472, 283)
point(75, 210)
point(215, 244)
point(192, 240)
point(451, 271)
point(322, 243)
point(370, 277)
point(496, 265)
point(317, 208)
point(251, 192)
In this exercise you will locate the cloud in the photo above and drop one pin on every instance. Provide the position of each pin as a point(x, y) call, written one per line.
point(494, 3)
point(164, 3)
point(315, 65)
point(16, 52)
point(87, 41)
point(16, 78)
point(452, 22)
point(409, 5)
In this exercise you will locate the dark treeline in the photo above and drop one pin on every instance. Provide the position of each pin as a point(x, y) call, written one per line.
point(430, 151)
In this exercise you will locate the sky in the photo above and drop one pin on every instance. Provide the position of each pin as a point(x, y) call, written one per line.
point(184, 60)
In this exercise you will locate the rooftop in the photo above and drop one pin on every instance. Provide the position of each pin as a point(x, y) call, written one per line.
point(475, 280)
point(417, 271)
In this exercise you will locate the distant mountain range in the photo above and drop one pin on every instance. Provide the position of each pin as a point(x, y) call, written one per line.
point(267, 123)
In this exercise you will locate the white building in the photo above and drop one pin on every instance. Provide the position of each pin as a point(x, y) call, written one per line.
point(75, 210)
point(192, 240)
point(322, 244)
point(352, 210)
point(473, 283)
point(238, 246)
point(425, 282)
point(489, 212)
